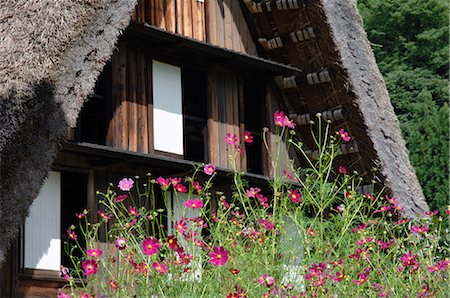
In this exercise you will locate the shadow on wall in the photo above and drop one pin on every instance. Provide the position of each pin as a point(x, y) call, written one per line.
point(32, 127)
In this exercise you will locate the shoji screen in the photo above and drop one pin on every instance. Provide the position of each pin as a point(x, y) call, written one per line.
point(42, 233)
point(167, 108)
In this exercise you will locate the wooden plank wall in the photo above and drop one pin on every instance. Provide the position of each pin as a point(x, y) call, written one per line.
point(223, 117)
point(131, 124)
point(219, 22)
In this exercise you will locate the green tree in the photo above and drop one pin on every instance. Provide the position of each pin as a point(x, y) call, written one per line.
point(410, 41)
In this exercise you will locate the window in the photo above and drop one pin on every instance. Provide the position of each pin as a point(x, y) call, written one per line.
point(167, 108)
point(51, 213)
point(254, 107)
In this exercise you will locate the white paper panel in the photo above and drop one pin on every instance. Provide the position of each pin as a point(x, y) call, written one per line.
point(42, 241)
point(167, 108)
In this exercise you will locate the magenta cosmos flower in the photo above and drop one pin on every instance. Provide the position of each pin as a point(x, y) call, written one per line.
point(295, 196)
point(219, 256)
point(344, 135)
point(163, 182)
point(420, 230)
point(231, 139)
point(150, 246)
point(161, 268)
point(209, 169)
point(121, 243)
point(94, 252)
point(181, 226)
point(280, 119)
point(126, 184)
point(89, 267)
point(193, 204)
point(252, 192)
point(266, 280)
point(63, 295)
point(120, 198)
point(248, 138)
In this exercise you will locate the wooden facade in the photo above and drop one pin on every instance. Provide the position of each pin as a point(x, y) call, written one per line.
point(220, 23)
point(226, 88)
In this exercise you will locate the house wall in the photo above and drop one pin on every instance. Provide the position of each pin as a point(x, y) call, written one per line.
point(219, 22)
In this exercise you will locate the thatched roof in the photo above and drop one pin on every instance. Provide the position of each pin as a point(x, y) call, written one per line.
point(51, 54)
point(326, 40)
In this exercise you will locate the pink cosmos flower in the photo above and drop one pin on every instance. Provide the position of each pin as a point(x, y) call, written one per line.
point(262, 200)
point(121, 243)
point(268, 225)
point(409, 259)
point(311, 232)
point(161, 268)
point(72, 235)
point(342, 170)
point(105, 216)
point(338, 276)
point(420, 230)
point(193, 204)
point(344, 135)
point(340, 208)
point(362, 276)
point(266, 280)
point(364, 241)
point(280, 119)
point(64, 295)
point(150, 246)
point(401, 221)
point(447, 211)
point(85, 295)
point(80, 215)
point(219, 256)
point(431, 213)
point(336, 263)
point(120, 198)
point(209, 169)
point(94, 252)
point(172, 242)
point(126, 184)
point(248, 138)
point(424, 292)
point(175, 181)
point(359, 228)
point(133, 211)
point(252, 192)
point(89, 267)
point(383, 209)
point(64, 272)
point(180, 188)
point(181, 226)
point(197, 186)
point(295, 196)
point(113, 284)
point(224, 203)
point(231, 139)
point(385, 245)
point(164, 183)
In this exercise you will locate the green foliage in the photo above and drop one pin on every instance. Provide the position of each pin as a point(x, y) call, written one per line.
point(308, 235)
point(410, 41)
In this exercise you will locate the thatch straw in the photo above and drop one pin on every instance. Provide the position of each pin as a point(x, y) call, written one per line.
point(372, 99)
point(51, 53)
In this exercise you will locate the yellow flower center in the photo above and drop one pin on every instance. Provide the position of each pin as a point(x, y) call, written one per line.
point(219, 256)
